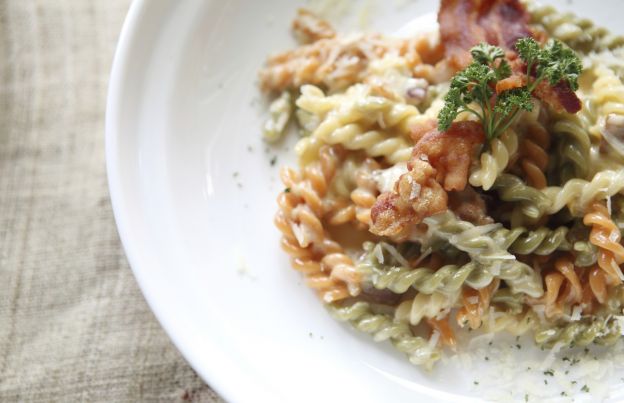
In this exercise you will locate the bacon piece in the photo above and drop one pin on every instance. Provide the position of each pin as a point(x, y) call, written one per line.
point(469, 205)
point(560, 96)
point(509, 83)
point(419, 130)
point(439, 163)
point(466, 23)
point(450, 152)
point(416, 195)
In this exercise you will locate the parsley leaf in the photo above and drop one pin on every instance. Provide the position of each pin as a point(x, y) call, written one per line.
point(473, 90)
point(555, 62)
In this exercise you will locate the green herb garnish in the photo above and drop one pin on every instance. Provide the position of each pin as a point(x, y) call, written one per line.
point(473, 90)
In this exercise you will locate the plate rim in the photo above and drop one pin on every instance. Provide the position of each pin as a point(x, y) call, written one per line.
point(216, 376)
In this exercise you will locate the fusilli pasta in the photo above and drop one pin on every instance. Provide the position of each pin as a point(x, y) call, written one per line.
point(383, 327)
point(494, 161)
point(427, 195)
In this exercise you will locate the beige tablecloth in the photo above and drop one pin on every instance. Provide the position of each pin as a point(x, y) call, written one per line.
point(73, 324)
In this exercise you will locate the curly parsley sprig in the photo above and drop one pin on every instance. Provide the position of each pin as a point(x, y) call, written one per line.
point(473, 91)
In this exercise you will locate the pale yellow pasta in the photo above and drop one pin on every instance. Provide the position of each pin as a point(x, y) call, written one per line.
point(436, 305)
point(358, 121)
point(495, 160)
point(576, 194)
point(406, 215)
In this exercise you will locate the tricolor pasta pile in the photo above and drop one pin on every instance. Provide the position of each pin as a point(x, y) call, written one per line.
point(509, 225)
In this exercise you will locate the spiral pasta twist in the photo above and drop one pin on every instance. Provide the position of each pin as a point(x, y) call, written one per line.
point(573, 148)
point(582, 333)
point(322, 261)
point(437, 249)
point(606, 236)
point(563, 287)
point(579, 33)
point(608, 101)
point(383, 327)
point(350, 119)
point(398, 278)
point(607, 93)
point(576, 194)
point(586, 254)
point(510, 188)
point(366, 192)
point(357, 104)
point(475, 304)
point(510, 302)
point(436, 305)
point(574, 290)
point(339, 211)
point(534, 155)
point(595, 289)
point(542, 241)
point(494, 161)
point(483, 249)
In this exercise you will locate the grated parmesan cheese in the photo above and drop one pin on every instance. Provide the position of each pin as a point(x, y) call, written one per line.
point(396, 255)
point(576, 313)
point(379, 253)
point(433, 341)
point(386, 178)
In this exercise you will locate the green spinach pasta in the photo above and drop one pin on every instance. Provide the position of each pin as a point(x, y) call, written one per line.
point(457, 181)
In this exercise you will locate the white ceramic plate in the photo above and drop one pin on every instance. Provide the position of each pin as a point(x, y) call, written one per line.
point(193, 190)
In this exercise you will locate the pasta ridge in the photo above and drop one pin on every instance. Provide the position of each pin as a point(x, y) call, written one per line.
point(440, 181)
point(579, 33)
point(493, 162)
point(322, 261)
point(599, 331)
point(534, 154)
point(398, 278)
point(366, 192)
point(383, 327)
point(606, 235)
point(542, 241)
point(482, 248)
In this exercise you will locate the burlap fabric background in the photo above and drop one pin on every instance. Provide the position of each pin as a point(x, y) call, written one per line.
point(73, 324)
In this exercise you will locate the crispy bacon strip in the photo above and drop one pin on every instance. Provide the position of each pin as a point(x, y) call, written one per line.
point(560, 97)
point(466, 23)
point(450, 152)
point(416, 195)
point(439, 163)
point(469, 205)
